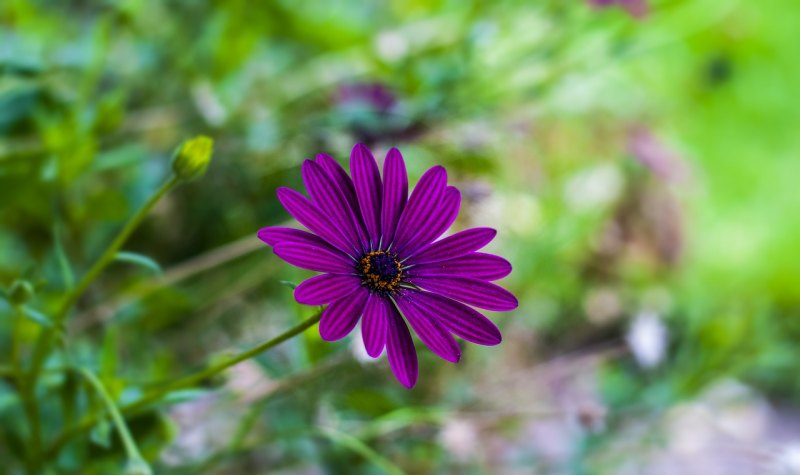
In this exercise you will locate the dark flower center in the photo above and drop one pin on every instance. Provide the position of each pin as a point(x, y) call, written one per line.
point(380, 271)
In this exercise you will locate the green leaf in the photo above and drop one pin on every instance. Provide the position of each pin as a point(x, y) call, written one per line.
point(288, 283)
point(138, 259)
point(37, 317)
point(67, 276)
point(101, 433)
point(356, 445)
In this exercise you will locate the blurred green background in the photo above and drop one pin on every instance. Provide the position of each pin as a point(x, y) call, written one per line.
point(642, 173)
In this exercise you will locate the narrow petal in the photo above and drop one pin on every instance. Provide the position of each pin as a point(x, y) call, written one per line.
point(374, 324)
point(463, 321)
point(477, 265)
point(276, 235)
point(422, 204)
point(330, 199)
point(336, 173)
point(339, 319)
point(457, 245)
point(443, 216)
point(471, 291)
point(307, 214)
point(316, 258)
point(428, 329)
point(367, 180)
point(401, 351)
point(326, 288)
point(395, 193)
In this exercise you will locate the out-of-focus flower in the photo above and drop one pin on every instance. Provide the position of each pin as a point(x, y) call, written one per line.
point(647, 339)
point(379, 253)
point(636, 8)
point(372, 96)
point(593, 188)
point(651, 152)
point(787, 461)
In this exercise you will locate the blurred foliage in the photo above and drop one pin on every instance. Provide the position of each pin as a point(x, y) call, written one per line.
point(629, 164)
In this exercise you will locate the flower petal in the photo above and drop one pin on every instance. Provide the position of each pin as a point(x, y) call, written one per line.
point(313, 257)
point(400, 350)
point(395, 193)
point(275, 235)
point(331, 200)
point(326, 288)
point(340, 177)
point(307, 214)
point(428, 329)
point(457, 245)
point(368, 185)
point(477, 265)
point(471, 291)
point(463, 321)
point(341, 316)
point(422, 204)
point(374, 324)
point(443, 215)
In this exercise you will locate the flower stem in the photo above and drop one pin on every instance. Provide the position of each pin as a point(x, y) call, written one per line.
point(46, 339)
point(131, 450)
point(186, 381)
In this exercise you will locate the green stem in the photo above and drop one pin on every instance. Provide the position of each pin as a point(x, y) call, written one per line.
point(112, 250)
point(186, 381)
point(132, 451)
point(27, 394)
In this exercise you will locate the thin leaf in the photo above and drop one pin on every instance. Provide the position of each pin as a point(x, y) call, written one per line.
point(352, 443)
point(67, 276)
point(37, 317)
point(138, 259)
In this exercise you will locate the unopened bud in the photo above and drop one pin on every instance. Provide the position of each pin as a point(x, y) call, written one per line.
point(192, 157)
point(20, 293)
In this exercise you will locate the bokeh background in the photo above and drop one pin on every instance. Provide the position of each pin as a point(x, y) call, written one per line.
point(640, 161)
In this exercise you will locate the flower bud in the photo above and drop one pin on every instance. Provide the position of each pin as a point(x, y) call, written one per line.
point(192, 157)
point(20, 292)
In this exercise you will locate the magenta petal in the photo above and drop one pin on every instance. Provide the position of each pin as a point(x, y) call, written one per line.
point(457, 245)
point(422, 204)
point(395, 193)
point(477, 265)
point(307, 214)
point(374, 324)
point(326, 288)
point(330, 199)
point(463, 321)
point(471, 291)
point(428, 329)
point(342, 180)
point(443, 216)
point(276, 235)
point(339, 319)
point(316, 258)
point(401, 352)
point(368, 184)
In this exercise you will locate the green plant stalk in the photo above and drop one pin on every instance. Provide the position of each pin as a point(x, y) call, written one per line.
point(44, 343)
point(186, 381)
point(131, 449)
point(27, 394)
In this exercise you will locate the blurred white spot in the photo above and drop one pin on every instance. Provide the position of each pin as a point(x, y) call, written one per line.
point(360, 351)
point(787, 462)
point(647, 338)
point(517, 212)
point(594, 188)
point(391, 46)
point(208, 104)
point(460, 438)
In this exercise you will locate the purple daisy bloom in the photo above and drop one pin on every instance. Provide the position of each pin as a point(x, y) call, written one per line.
point(377, 248)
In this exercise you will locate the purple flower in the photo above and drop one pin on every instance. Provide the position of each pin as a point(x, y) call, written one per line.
point(636, 8)
point(377, 248)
